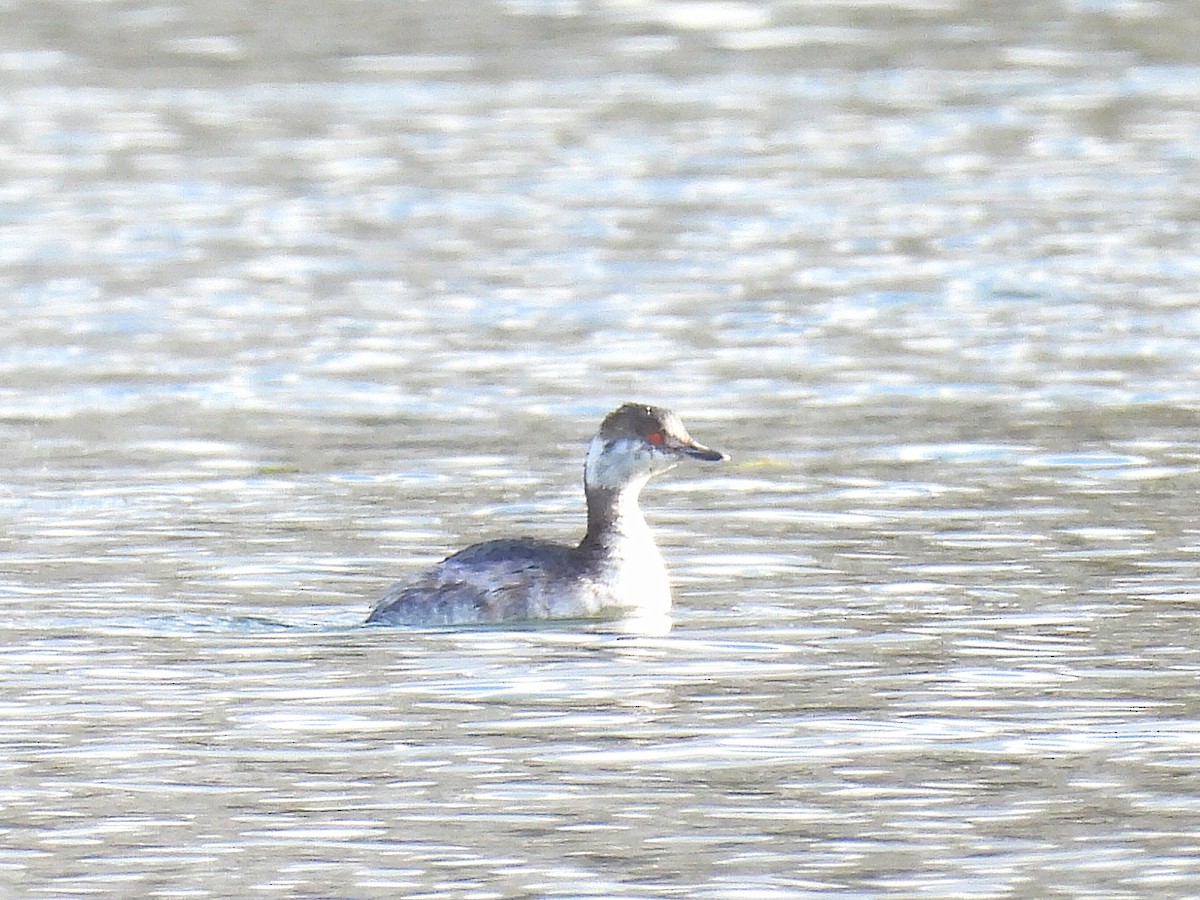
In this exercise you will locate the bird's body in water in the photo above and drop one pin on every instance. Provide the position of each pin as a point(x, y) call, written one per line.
point(615, 570)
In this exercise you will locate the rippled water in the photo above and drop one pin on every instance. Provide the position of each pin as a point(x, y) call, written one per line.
point(298, 299)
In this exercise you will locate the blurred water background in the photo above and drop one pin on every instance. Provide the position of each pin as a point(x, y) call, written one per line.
point(297, 297)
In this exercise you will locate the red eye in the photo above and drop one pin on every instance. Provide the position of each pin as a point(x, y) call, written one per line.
point(656, 438)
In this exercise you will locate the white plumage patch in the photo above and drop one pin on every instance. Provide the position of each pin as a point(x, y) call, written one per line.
point(624, 464)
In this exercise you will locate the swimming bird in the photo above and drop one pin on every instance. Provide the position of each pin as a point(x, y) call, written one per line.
point(616, 569)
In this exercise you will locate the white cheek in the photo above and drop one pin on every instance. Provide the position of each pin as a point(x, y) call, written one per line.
point(617, 469)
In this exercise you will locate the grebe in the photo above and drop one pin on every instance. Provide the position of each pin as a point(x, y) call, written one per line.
point(616, 569)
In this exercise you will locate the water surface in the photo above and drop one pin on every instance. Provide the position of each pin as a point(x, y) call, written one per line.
point(299, 299)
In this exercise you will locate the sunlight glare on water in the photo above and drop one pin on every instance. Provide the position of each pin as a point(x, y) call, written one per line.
point(298, 299)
